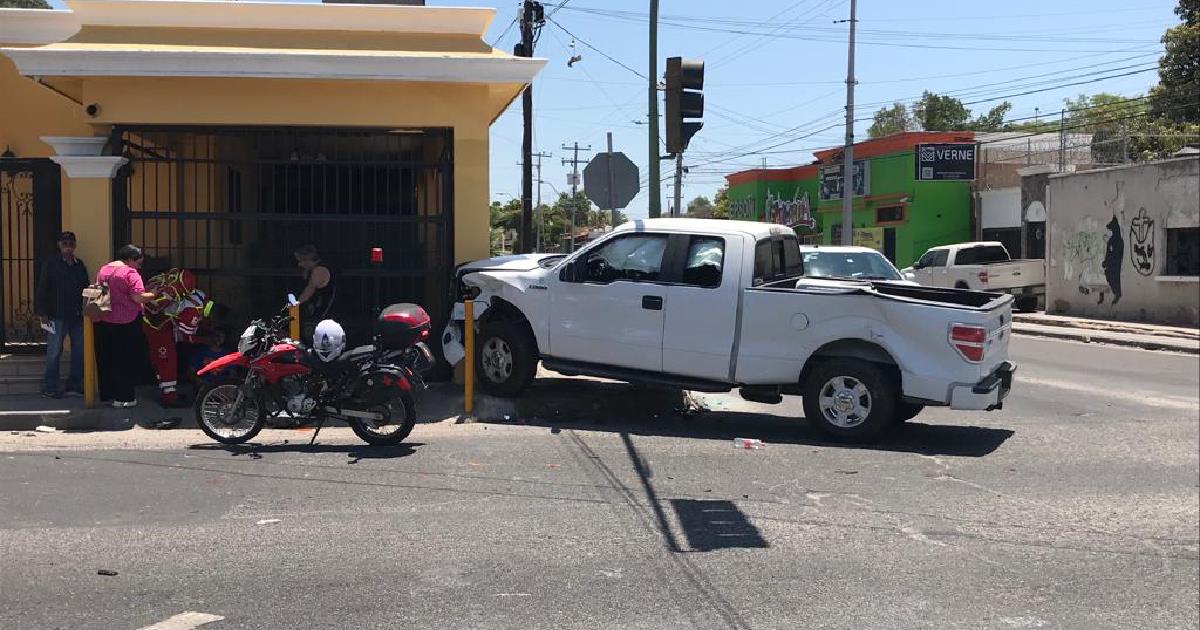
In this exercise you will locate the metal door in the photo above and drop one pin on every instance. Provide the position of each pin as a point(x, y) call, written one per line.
point(233, 203)
point(30, 218)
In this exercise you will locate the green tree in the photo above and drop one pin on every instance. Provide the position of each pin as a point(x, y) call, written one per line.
point(890, 120)
point(993, 120)
point(935, 112)
point(24, 4)
point(1126, 128)
point(700, 208)
point(1175, 96)
point(721, 203)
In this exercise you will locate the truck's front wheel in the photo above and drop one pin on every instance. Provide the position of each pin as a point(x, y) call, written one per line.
point(505, 359)
point(849, 399)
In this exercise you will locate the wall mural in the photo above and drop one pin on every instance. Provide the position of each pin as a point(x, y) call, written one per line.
point(741, 209)
point(796, 212)
point(1092, 256)
point(1141, 239)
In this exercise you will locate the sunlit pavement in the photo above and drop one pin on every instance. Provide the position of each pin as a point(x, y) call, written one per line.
point(1074, 507)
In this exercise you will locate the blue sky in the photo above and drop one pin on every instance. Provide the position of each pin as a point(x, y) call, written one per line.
point(778, 84)
point(762, 91)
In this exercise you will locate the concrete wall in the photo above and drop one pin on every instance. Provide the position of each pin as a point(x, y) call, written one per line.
point(1108, 242)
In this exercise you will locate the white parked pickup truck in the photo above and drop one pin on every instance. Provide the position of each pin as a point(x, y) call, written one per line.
point(711, 305)
point(982, 266)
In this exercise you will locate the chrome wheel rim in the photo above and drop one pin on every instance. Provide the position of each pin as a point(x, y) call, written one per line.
point(845, 402)
point(221, 412)
point(497, 359)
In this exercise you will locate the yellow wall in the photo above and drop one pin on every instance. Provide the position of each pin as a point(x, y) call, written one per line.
point(29, 110)
point(90, 201)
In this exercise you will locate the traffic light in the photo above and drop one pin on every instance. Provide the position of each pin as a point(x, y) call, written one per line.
point(685, 79)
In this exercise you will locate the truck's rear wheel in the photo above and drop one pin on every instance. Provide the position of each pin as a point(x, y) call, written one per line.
point(505, 359)
point(849, 399)
point(906, 411)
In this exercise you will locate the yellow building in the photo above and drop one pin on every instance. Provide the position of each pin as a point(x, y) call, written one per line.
point(219, 136)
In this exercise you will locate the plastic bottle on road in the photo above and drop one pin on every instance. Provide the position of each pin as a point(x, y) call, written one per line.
point(748, 443)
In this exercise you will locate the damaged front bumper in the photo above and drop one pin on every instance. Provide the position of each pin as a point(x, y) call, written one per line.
point(453, 344)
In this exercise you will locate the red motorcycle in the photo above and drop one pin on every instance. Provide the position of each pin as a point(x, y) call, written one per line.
point(370, 387)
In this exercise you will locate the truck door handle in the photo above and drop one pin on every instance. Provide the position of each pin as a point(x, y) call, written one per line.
point(652, 302)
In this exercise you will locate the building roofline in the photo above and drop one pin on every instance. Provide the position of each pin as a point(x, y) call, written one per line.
point(255, 14)
point(895, 143)
point(75, 60)
point(36, 26)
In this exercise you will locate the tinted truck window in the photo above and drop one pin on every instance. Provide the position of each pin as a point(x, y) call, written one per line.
point(981, 255)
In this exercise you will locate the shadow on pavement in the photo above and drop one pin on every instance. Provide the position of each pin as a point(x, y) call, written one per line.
point(910, 437)
point(712, 525)
point(355, 452)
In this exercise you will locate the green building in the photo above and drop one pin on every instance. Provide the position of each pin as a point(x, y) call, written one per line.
point(893, 212)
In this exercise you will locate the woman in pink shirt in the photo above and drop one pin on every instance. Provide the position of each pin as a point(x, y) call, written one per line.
point(119, 330)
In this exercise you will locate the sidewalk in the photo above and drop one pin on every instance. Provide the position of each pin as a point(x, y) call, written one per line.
point(1129, 334)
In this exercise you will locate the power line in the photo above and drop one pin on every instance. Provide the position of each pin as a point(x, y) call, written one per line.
point(601, 52)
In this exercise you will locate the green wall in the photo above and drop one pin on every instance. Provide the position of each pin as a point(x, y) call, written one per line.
point(937, 213)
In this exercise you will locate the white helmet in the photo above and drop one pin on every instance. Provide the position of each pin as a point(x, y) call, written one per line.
point(329, 340)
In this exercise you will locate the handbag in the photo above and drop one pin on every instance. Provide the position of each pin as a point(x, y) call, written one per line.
point(97, 302)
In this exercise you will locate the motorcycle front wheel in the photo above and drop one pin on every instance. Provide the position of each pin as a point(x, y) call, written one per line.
point(399, 418)
point(223, 418)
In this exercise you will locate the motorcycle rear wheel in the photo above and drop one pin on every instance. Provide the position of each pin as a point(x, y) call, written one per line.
point(213, 407)
point(392, 430)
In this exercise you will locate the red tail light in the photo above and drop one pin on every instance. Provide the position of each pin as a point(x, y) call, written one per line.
point(969, 341)
point(983, 277)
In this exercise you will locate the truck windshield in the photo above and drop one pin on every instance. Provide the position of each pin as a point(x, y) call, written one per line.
point(981, 255)
point(859, 265)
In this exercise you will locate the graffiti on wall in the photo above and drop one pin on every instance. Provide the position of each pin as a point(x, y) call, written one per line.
point(1092, 255)
point(741, 209)
point(796, 212)
point(1141, 241)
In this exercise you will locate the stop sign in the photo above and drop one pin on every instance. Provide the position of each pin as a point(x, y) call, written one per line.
point(610, 180)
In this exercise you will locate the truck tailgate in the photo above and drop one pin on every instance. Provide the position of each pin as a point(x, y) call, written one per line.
point(1013, 274)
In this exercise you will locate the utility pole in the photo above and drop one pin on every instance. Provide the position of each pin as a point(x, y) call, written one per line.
point(678, 184)
point(1062, 140)
point(848, 162)
point(652, 115)
point(531, 15)
point(612, 211)
point(574, 162)
point(537, 204)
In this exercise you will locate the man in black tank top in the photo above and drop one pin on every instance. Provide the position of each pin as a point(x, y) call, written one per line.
point(320, 289)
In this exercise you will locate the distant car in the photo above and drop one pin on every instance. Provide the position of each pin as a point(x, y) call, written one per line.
point(852, 263)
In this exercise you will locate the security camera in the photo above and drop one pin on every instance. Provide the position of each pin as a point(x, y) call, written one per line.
point(92, 110)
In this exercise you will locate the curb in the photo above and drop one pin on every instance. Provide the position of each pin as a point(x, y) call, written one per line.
point(1093, 336)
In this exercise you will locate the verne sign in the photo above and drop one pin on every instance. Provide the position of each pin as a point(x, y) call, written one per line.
point(945, 162)
point(830, 178)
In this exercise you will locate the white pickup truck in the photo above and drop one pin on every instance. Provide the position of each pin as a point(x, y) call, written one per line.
point(711, 305)
point(982, 266)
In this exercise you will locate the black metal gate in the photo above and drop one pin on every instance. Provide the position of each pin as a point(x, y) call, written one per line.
point(232, 204)
point(30, 219)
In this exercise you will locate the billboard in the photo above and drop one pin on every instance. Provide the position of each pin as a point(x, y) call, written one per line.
point(942, 162)
point(830, 178)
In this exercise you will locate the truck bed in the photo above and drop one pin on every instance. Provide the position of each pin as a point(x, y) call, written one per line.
point(933, 296)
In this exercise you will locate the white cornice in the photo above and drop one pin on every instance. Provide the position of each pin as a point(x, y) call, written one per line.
point(274, 63)
point(82, 146)
point(36, 26)
point(89, 167)
point(283, 15)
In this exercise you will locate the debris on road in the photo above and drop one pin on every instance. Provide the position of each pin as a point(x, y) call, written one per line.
point(268, 521)
point(106, 572)
point(42, 428)
point(166, 423)
point(749, 444)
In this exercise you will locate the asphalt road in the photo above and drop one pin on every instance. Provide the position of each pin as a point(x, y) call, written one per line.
point(1077, 506)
